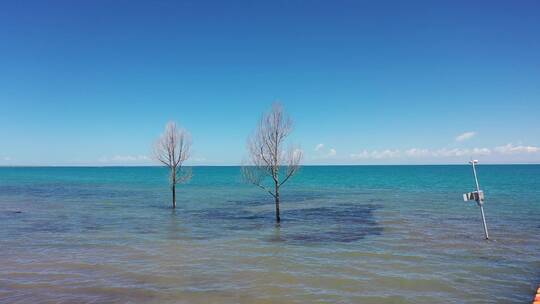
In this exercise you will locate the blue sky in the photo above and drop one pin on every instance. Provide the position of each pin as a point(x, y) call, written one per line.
point(366, 82)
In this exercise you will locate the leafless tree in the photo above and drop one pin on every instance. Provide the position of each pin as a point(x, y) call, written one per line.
point(172, 150)
point(268, 161)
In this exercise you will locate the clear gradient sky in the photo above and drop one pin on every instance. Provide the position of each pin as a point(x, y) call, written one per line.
point(366, 82)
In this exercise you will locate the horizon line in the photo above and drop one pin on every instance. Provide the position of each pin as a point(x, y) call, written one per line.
point(307, 165)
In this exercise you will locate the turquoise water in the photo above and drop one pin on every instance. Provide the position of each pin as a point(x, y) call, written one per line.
point(349, 234)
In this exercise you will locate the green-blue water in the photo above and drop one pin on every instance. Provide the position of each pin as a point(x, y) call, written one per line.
point(349, 234)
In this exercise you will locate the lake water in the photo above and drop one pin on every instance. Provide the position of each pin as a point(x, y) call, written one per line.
point(349, 234)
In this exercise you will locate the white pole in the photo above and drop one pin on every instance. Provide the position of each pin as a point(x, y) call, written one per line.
point(480, 203)
point(484, 221)
point(475, 177)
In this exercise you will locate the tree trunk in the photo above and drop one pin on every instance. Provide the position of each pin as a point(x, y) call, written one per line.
point(278, 218)
point(174, 195)
point(173, 186)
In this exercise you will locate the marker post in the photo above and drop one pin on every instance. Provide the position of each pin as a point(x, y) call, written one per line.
point(478, 196)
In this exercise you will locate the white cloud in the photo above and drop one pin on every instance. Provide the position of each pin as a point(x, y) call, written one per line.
point(124, 159)
point(456, 152)
point(323, 153)
point(388, 154)
point(481, 151)
point(450, 152)
point(375, 154)
point(417, 153)
point(332, 152)
point(500, 154)
point(7, 158)
point(511, 149)
point(465, 136)
point(362, 155)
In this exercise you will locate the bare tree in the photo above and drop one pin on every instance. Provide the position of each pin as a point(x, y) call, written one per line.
point(172, 149)
point(268, 160)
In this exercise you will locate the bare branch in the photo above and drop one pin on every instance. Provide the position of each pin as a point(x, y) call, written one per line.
point(184, 175)
point(172, 149)
point(173, 146)
point(254, 175)
point(266, 157)
point(294, 158)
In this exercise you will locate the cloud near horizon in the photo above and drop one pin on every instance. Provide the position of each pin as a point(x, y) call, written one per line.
point(323, 153)
point(465, 136)
point(443, 152)
point(332, 152)
point(511, 149)
point(125, 159)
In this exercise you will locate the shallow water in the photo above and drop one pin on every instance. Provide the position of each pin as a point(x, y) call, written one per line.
point(349, 234)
